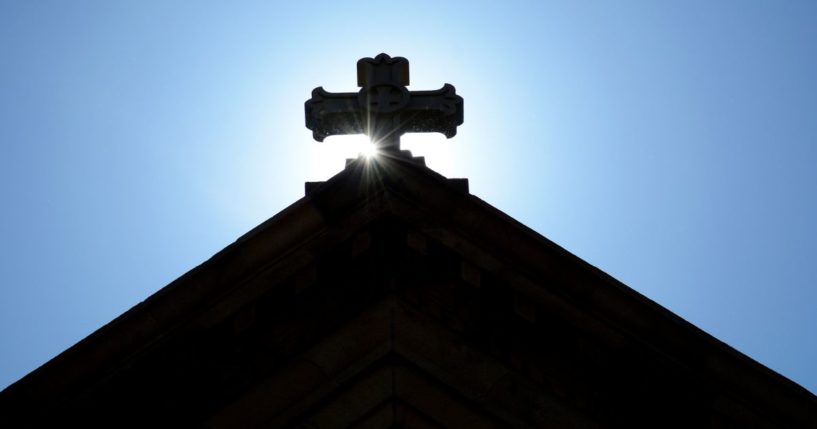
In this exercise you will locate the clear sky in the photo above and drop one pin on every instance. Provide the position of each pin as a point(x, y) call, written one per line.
point(674, 146)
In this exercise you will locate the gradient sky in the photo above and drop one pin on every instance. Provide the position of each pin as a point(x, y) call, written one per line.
point(672, 146)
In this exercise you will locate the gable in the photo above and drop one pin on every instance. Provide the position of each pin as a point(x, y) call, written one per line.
point(390, 296)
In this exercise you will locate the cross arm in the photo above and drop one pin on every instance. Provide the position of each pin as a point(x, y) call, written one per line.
point(436, 111)
point(330, 113)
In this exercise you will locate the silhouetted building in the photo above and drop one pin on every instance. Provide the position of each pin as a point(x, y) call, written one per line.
point(391, 297)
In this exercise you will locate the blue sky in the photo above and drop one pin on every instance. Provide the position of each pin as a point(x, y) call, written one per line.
point(674, 146)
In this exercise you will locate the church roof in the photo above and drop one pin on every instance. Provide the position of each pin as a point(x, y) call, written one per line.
point(390, 296)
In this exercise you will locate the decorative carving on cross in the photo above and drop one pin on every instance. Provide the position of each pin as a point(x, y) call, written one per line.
point(384, 109)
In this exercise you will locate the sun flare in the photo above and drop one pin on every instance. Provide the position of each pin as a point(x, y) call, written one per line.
point(368, 149)
point(330, 156)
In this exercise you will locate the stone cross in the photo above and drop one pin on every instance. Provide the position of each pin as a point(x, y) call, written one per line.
point(383, 109)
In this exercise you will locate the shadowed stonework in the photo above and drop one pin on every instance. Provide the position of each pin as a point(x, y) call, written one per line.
point(390, 297)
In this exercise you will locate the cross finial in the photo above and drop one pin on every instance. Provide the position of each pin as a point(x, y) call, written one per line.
point(382, 69)
point(384, 109)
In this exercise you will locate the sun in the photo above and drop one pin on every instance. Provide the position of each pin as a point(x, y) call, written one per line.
point(328, 158)
point(367, 149)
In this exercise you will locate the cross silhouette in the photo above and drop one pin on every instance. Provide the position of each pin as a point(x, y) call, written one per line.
point(384, 109)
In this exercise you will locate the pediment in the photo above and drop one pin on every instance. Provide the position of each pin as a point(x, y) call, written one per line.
point(390, 297)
